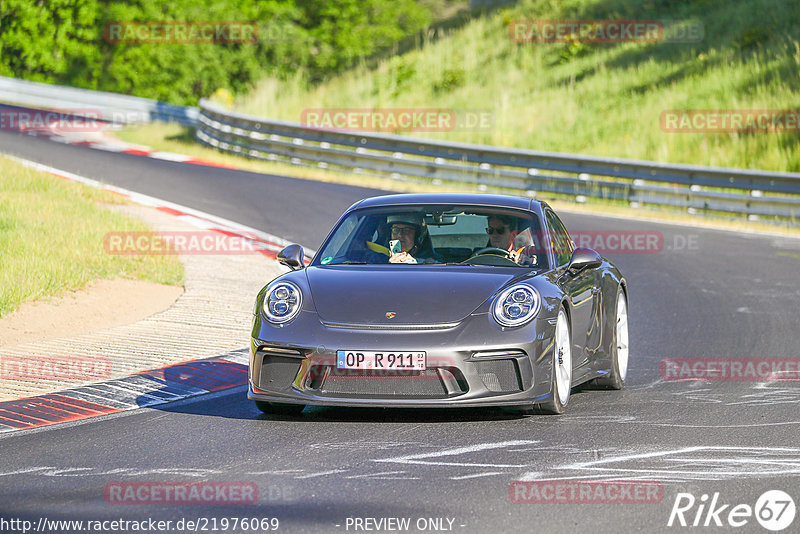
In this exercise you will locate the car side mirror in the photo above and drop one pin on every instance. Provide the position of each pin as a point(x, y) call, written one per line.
point(291, 257)
point(583, 258)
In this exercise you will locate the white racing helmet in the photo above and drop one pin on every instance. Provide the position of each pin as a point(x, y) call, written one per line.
point(415, 219)
point(408, 218)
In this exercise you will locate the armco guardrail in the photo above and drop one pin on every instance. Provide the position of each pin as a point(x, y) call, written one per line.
point(742, 191)
point(113, 107)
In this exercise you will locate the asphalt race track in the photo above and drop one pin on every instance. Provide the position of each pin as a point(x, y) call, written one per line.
point(703, 293)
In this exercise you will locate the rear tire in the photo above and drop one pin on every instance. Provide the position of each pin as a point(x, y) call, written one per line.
point(561, 377)
point(615, 379)
point(276, 408)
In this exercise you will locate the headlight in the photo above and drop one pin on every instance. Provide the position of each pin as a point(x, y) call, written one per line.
point(516, 305)
point(282, 302)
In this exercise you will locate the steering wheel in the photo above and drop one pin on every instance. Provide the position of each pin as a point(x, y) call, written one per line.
point(491, 250)
point(491, 256)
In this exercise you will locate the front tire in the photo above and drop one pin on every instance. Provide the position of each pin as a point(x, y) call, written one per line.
point(561, 377)
point(615, 379)
point(275, 408)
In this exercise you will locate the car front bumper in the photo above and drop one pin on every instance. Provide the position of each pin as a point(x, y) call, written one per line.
point(474, 363)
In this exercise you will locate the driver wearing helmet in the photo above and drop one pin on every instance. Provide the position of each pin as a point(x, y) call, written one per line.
point(415, 243)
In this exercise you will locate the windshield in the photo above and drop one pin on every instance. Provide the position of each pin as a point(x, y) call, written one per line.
point(427, 234)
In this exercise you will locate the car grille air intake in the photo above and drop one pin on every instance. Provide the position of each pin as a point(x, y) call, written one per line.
point(499, 375)
point(278, 369)
point(420, 384)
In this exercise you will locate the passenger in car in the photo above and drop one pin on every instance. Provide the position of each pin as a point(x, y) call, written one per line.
point(503, 232)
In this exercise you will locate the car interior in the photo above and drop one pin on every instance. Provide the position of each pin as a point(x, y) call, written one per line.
point(457, 236)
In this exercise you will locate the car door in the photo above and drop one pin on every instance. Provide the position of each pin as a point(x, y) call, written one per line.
point(581, 289)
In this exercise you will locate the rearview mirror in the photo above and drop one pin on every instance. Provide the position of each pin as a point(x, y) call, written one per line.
point(437, 219)
point(583, 258)
point(291, 257)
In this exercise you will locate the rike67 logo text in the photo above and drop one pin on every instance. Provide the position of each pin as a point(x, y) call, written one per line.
point(774, 510)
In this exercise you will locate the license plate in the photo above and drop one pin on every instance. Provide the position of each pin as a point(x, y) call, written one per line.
point(363, 359)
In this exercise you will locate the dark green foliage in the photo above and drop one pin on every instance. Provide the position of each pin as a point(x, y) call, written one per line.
point(451, 79)
point(62, 41)
point(573, 49)
point(752, 37)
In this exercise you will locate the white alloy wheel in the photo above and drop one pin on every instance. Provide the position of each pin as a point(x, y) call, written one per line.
point(562, 359)
point(622, 336)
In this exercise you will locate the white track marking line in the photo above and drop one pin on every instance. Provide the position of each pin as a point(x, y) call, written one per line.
point(600, 468)
point(321, 473)
point(465, 477)
point(170, 156)
point(276, 472)
point(27, 470)
point(384, 475)
point(594, 463)
point(420, 459)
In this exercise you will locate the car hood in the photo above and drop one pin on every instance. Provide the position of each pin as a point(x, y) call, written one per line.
point(416, 294)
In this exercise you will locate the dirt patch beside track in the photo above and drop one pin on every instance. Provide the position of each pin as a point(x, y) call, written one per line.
point(102, 304)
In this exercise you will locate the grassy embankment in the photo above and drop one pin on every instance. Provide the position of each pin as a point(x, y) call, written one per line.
point(51, 238)
point(602, 99)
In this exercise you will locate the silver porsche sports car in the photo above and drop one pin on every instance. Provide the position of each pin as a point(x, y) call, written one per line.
point(440, 300)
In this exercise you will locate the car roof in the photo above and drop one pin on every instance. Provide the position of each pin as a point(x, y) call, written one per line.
point(475, 199)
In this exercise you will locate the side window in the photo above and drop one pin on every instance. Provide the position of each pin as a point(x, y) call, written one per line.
point(559, 239)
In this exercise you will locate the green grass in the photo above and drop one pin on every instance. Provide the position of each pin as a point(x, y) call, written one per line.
point(601, 99)
point(52, 238)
